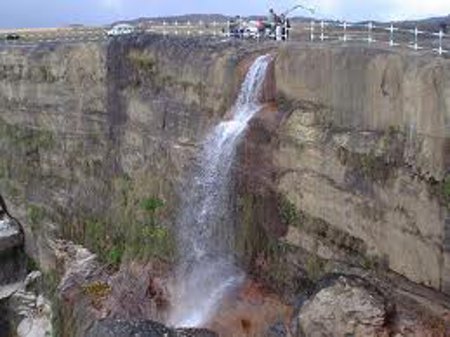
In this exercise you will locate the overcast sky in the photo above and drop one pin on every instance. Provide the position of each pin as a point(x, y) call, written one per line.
point(46, 13)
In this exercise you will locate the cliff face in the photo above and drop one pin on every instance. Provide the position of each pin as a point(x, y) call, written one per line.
point(88, 131)
point(364, 153)
point(347, 172)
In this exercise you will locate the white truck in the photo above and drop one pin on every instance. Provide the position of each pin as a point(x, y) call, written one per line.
point(121, 29)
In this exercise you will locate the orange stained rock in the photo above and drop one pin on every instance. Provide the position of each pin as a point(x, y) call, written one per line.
point(250, 312)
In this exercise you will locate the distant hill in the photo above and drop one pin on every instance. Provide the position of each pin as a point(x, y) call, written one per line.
point(194, 18)
point(430, 24)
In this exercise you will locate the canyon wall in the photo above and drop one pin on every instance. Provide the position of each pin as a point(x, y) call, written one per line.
point(364, 156)
point(348, 164)
point(89, 131)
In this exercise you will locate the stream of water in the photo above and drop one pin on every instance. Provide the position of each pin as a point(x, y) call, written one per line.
point(207, 270)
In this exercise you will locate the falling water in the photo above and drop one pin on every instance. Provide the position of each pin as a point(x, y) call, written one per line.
point(205, 228)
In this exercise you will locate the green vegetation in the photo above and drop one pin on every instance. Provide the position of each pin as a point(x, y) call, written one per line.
point(315, 267)
point(45, 74)
point(288, 212)
point(446, 189)
point(115, 255)
point(140, 238)
point(368, 163)
point(149, 239)
point(252, 240)
point(278, 268)
point(36, 214)
point(26, 138)
point(371, 165)
point(51, 281)
point(106, 241)
point(31, 263)
point(374, 262)
point(152, 205)
point(143, 62)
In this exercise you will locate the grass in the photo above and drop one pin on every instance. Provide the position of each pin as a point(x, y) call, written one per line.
point(46, 75)
point(151, 205)
point(26, 138)
point(36, 214)
point(141, 239)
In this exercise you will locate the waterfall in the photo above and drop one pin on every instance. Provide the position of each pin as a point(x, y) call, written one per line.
point(207, 270)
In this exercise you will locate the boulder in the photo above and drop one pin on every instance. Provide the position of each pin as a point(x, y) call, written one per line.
point(10, 234)
point(347, 307)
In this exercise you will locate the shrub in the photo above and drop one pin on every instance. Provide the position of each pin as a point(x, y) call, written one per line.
point(97, 289)
point(151, 205)
point(288, 212)
point(115, 255)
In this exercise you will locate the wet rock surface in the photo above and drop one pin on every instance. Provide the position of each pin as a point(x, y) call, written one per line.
point(121, 328)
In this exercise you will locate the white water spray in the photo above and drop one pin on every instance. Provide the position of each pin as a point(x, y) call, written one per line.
point(207, 269)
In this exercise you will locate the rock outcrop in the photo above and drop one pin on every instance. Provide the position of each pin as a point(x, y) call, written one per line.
point(342, 309)
point(88, 131)
point(363, 157)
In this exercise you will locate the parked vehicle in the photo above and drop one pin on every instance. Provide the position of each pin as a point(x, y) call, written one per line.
point(12, 36)
point(121, 29)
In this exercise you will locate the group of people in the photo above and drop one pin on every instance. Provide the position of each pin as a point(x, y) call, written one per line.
point(278, 22)
point(274, 26)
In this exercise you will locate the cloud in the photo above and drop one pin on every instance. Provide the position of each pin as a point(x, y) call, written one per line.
point(419, 8)
point(112, 5)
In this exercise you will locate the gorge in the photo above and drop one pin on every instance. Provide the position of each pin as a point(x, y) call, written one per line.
point(338, 204)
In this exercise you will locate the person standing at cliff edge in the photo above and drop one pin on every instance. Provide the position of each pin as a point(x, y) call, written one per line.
point(272, 20)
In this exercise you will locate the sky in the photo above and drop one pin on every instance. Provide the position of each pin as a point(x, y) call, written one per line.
point(55, 13)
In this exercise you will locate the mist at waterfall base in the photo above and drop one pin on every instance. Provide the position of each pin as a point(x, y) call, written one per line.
point(206, 270)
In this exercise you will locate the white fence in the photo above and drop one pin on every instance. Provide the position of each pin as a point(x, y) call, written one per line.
point(387, 34)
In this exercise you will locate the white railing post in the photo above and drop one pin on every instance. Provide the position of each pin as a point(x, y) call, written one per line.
point(441, 35)
point(369, 32)
point(285, 33)
point(312, 30)
point(228, 32)
point(322, 26)
point(391, 35)
point(416, 33)
point(345, 31)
